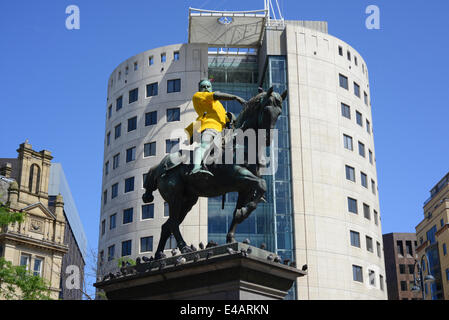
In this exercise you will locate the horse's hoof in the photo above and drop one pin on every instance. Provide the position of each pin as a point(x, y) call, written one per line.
point(230, 239)
point(186, 249)
point(147, 198)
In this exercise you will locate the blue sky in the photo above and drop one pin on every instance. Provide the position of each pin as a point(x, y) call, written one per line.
point(53, 84)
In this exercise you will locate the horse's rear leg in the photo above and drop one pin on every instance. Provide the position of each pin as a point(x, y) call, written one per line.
point(230, 237)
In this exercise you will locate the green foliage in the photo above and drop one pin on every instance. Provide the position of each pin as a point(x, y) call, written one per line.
point(125, 259)
point(7, 217)
point(18, 283)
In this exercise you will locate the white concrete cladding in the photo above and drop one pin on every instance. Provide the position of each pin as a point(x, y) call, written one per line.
point(190, 65)
point(322, 221)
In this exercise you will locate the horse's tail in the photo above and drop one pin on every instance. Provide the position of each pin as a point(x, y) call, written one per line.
point(150, 185)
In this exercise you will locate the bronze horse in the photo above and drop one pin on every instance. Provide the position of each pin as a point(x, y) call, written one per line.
point(181, 190)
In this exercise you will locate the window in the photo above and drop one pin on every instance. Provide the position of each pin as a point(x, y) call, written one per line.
point(364, 179)
point(132, 124)
point(173, 114)
point(411, 268)
point(148, 211)
point(355, 239)
point(372, 277)
point(131, 154)
point(101, 257)
point(136, 66)
point(403, 285)
point(144, 177)
point(150, 118)
point(108, 138)
point(350, 173)
point(25, 260)
point(114, 190)
point(379, 254)
point(112, 221)
point(340, 50)
point(352, 205)
point(366, 211)
point(381, 282)
point(163, 57)
point(110, 111)
point(106, 168)
point(176, 55)
point(126, 70)
point(105, 196)
point(368, 127)
point(149, 149)
point(373, 186)
point(166, 210)
point(402, 268)
point(444, 249)
point(118, 131)
point(129, 184)
point(431, 234)
point(103, 227)
point(370, 156)
point(146, 244)
point(355, 61)
point(345, 110)
point(174, 85)
point(343, 81)
point(111, 252)
point(126, 248)
point(152, 89)
point(361, 149)
point(133, 95)
point(347, 141)
point(116, 161)
point(376, 217)
point(365, 97)
point(171, 145)
point(150, 60)
point(128, 215)
point(37, 269)
point(369, 244)
point(359, 118)
point(119, 103)
point(356, 89)
point(348, 54)
point(119, 75)
point(399, 247)
point(357, 274)
point(441, 222)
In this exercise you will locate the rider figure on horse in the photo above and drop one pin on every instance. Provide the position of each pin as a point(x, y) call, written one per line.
point(212, 119)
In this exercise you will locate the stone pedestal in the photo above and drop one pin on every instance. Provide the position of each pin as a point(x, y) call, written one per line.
point(227, 272)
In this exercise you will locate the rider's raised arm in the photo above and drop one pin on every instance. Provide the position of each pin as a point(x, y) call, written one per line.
point(226, 96)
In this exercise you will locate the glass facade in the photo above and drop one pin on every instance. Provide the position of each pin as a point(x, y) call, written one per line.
point(271, 222)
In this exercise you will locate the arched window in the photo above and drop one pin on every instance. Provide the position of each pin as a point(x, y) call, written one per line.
point(34, 180)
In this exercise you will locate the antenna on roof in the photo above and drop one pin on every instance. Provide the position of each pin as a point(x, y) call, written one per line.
point(271, 10)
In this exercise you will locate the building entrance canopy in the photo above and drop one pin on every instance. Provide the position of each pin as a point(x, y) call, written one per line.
point(236, 29)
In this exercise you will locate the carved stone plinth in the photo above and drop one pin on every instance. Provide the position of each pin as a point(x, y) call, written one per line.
point(227, 272)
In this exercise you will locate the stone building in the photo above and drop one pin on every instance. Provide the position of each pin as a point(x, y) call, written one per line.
point(433, 238)
point(45, 242)
point(322, 202)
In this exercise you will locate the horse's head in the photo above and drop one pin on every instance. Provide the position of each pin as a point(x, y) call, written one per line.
point(262, 111)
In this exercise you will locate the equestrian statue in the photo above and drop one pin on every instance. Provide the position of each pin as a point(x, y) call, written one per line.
point(180, 182)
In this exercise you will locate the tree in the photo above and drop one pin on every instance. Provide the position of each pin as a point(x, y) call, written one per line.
point(15, 281)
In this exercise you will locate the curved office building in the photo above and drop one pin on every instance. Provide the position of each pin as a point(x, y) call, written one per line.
point(322, 202)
